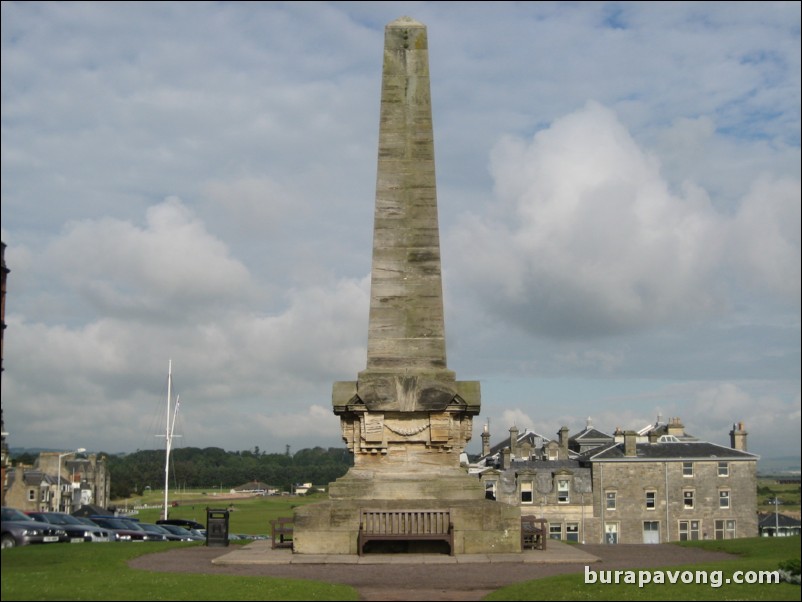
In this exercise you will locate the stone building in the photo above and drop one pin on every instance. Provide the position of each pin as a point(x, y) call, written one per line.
point(653, 486)
point(84, 480)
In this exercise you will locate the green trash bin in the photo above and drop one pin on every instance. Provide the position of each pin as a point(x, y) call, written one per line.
point(216, 528)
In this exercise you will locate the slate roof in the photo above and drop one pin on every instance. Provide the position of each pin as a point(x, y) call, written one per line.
point(680, 450)
point(92, 510)
point(590, 433)
point(782, 520)
point(528, 436)
point(37, 477)
point(549, 464)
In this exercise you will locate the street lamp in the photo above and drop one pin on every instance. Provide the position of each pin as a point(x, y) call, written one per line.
point(776, 502)
point(80, 450)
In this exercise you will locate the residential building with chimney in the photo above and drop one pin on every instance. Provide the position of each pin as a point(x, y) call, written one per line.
point(656, 485)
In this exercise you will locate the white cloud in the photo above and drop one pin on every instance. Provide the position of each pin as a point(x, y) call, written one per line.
point(599, 244)
point(170, 267)
point(513, 417)
point(765, 237)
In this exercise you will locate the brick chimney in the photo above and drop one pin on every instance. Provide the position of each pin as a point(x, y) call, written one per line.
point(505, 458)
point(630, 444)
point(738, 437)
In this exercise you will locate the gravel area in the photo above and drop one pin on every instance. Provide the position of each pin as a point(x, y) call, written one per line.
point(427, 581)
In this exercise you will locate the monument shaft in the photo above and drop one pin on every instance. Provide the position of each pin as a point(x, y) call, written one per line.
point(406, 330)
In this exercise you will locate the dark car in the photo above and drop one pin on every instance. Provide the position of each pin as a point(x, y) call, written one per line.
point(162, 530)
point(18, 529)
point(181, 522)
point(150, 535)
point(122, 531)
point(74, 527)
point(186, 534)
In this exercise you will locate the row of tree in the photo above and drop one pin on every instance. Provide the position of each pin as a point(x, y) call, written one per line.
point(193, 467)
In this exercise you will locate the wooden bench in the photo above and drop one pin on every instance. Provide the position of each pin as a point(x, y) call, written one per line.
point(405, 525)
point(281, 532)
point(533, 533)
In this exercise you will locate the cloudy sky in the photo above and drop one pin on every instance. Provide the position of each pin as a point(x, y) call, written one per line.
point(619, 196)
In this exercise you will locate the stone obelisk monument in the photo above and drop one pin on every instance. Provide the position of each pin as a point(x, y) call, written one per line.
point(406, 418)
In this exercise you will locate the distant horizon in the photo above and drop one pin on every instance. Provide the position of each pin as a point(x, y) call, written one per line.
point(16, 450)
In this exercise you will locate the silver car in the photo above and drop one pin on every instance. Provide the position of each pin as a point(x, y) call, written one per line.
point(21, 530)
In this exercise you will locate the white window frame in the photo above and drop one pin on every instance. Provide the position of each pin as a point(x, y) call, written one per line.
point(563, 491)
point(527, 487)
point(689, 529)
point(725, 528)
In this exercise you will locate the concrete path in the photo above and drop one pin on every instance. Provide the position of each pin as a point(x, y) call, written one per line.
point(260, 552)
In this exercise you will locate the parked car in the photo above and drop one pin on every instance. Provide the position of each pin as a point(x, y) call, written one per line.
point(188, 534)
point(122, 531)
point(74, 527)
point(163, 530)
point(150, 535)
point(18, 529)
point(181, 522)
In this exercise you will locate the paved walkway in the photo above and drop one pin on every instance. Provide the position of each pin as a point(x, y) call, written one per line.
point(419, 577)
point(261, 552)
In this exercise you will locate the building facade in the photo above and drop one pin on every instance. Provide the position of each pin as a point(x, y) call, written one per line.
point(654, 486)
point(84, 480)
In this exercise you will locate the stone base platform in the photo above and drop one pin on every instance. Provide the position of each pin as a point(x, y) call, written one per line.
point(480, 526)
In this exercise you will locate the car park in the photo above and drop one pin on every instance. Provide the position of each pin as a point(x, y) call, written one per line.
point(18, 529)
point(74, 527)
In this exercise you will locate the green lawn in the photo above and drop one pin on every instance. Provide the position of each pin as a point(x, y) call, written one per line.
point(248, 515)
point(100, 572)
point(755, 554)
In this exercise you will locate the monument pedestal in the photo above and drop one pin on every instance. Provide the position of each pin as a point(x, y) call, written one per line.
point(480, 526)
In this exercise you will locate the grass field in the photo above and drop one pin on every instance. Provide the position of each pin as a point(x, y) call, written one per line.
point(754, 554)
point(99, 571)
point(788, 494)
point(247, 515)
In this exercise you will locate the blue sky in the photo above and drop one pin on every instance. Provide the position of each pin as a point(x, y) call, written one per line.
point(619, 196)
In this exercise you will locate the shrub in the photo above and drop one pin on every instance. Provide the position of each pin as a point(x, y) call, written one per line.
point(790, 570)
